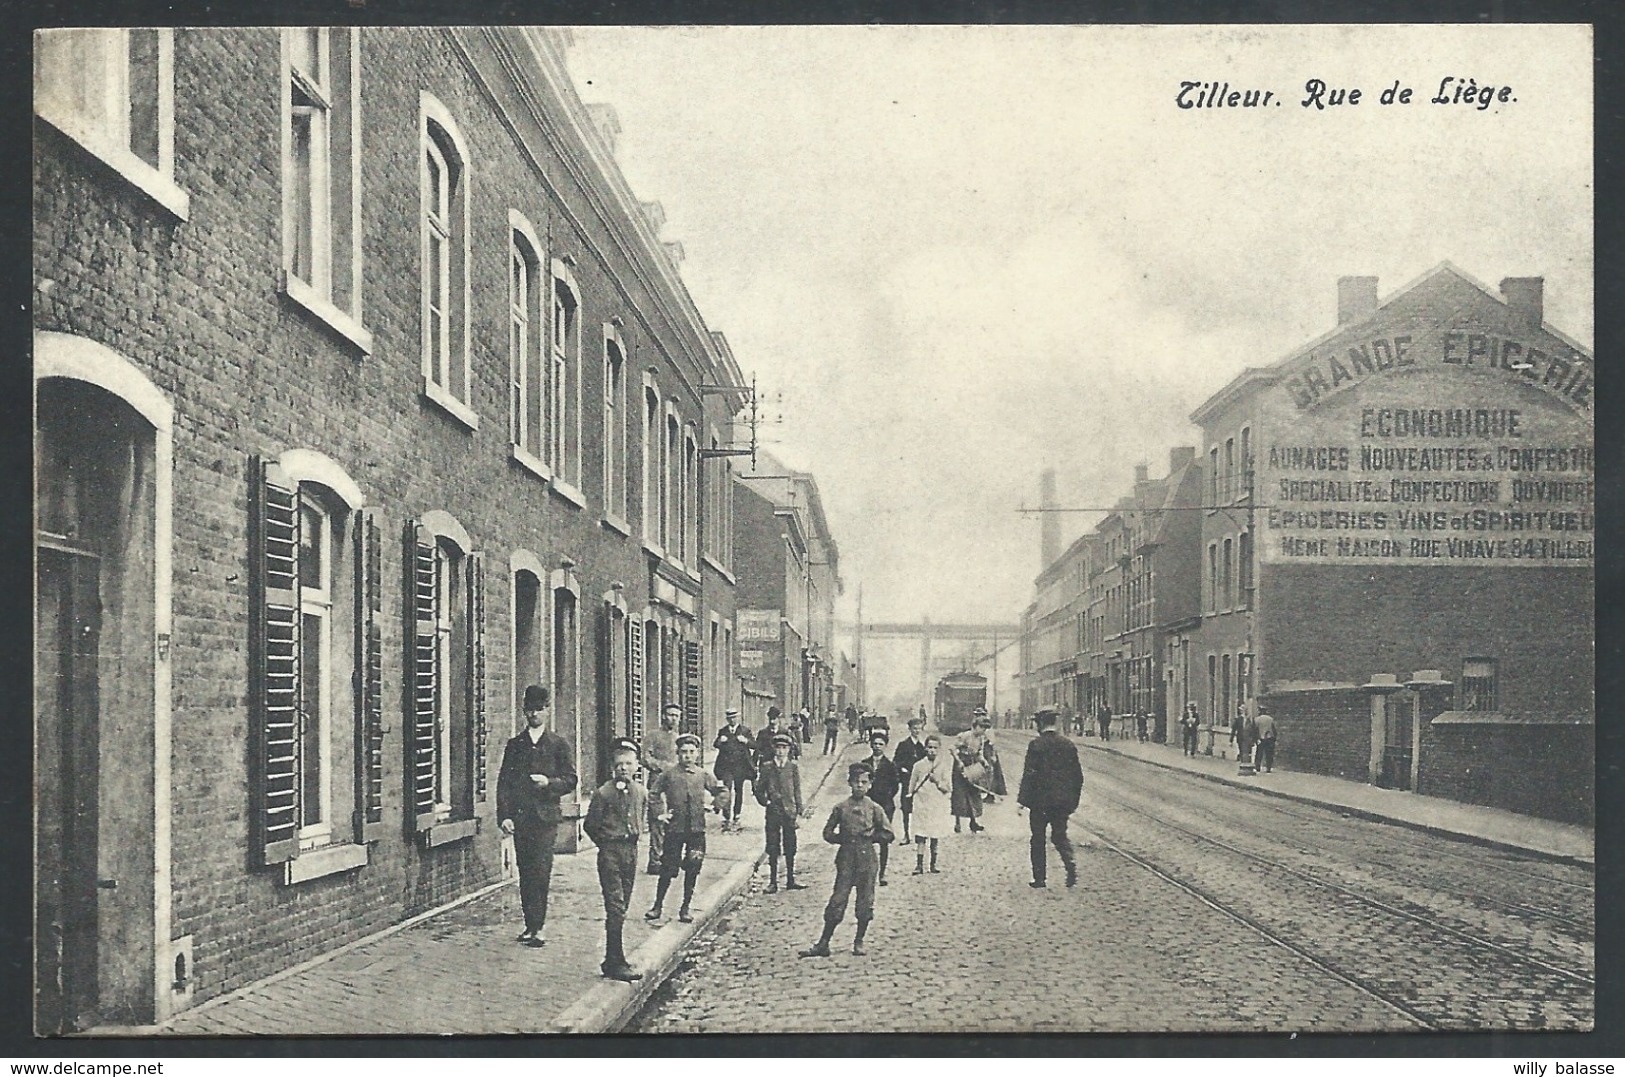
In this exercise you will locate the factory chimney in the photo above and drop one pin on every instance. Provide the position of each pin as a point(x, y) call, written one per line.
point(1050, 521)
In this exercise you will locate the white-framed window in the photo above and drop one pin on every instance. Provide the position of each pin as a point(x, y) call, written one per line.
point(447, 592)
point(1213, 476)
point(1229, 468)
point(1213, 577)
point(113, 92)
point(1478, 684)
point(564, 387)
point(315, 733)
point(1229, 574)
point(614, 436)
point(444, 231)
point(527, 409)
point(447, 732)
point(1245, 462)
point(691, 489)
point(1244, 567)
point(652, 482)
point(321, 176)
point(671, 485)
point(316, 667)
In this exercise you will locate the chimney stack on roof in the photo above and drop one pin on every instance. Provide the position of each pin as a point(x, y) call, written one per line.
point(1049, 521)
point(1356, 297)
point(1142, 473)
point(1525, 297)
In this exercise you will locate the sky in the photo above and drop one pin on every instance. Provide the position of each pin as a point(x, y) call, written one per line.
point(954, 256)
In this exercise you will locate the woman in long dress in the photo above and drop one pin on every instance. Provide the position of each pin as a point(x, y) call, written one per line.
point(930, 785)
point(978, 776)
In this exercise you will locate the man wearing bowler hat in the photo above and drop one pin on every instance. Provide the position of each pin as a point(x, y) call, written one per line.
point(538, 768)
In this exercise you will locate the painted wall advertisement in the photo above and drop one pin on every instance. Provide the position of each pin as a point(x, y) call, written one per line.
point(1457, 446)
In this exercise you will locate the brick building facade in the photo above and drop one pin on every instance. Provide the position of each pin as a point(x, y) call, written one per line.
point(788, 582)
point(1393, 551)
point(367, 394)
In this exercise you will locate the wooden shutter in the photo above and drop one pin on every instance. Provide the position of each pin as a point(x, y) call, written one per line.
point(634, 680)
point(479, 727)
point(274, 662)
point(422, 746)
point(693, 698)
point(369, 677)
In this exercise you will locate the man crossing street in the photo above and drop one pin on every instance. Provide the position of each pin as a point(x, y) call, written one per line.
point(1051, 783)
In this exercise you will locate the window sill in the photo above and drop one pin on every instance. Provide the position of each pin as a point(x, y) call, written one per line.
point(655, 549)
point(568, 493)
point(320, 863)
point(724, 573)
point(335, 319)
point(615, 523)
point(437, 395)
point(132, 169)
point(521, 456)
point(446, 833)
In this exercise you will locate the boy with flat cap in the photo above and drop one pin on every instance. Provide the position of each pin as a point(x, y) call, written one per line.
point(883, 785)
point(680, 794)
point(778, 789)
point(615, 822)
point(856, 824)
point(909, 752)
point(659, 756)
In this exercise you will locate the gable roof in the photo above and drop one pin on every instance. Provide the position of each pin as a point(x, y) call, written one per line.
point(1445, 275)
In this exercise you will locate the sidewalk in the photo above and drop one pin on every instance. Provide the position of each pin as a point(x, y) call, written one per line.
point(1472, 822)
point(457, 970)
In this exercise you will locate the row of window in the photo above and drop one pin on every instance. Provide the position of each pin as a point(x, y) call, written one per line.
point(113, 90)
point(1230, 476)
point(317, 665)
point(1230, 573)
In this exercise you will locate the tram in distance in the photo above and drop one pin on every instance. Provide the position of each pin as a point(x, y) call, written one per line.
point(958, 696)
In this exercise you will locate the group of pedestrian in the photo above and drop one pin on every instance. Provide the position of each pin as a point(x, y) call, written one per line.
point(1253, 731)
point(927, 784)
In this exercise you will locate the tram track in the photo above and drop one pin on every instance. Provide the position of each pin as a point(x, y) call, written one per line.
point(1261, 929)
point(1583, 929)
point(1430, 923)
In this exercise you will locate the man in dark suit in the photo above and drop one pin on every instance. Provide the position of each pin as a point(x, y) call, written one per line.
point(1051, 783)
point(538, 768)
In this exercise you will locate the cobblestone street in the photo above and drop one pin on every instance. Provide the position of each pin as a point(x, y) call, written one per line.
point(975, 949)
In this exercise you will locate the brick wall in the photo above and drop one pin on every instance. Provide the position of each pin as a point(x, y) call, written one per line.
point(1326, 731)
point(1544, 770)
point(1330, 623)
point(196, 306)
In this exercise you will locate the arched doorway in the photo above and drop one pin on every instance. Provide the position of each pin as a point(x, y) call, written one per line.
point(100, 633)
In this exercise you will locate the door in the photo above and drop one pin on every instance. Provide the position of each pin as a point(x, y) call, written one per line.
point(67, 635)
point(1396, 749)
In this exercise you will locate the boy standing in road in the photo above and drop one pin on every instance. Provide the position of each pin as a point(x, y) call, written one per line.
point(909, 752)
point(659, 756)
point(681, 795)
point(778, 789)
point(883, 786)
point(615, 822)
point(856, 824)
point(1051, 783)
